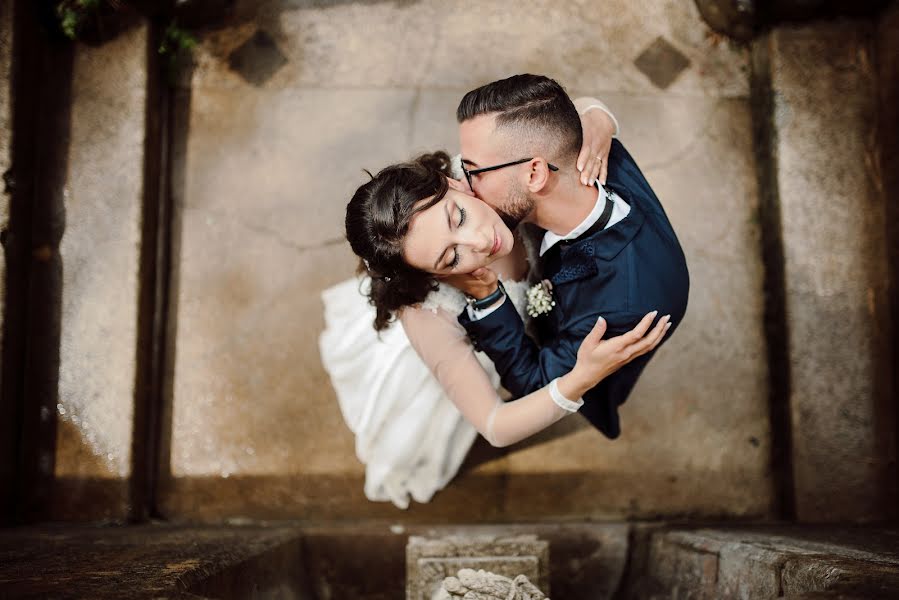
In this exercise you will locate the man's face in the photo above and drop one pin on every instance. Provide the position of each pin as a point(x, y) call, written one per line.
point(504, 188)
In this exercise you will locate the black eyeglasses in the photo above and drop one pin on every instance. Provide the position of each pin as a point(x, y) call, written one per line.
point(468, 173)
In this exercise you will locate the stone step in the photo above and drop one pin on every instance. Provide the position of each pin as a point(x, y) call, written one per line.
point(366, 560)
point(764, 562)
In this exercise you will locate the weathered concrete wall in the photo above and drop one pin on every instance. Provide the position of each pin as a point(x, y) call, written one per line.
point(823, 81)
point(100, 251)
point(7, 414)
point(288, 104)
point(888, 125)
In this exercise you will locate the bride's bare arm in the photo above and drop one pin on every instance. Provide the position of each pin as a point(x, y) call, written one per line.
point(445, 349)
point(599, 126)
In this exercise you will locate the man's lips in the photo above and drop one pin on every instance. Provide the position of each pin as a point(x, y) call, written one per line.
point(497, 243)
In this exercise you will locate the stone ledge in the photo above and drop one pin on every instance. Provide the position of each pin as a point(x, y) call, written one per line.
point(767, 562)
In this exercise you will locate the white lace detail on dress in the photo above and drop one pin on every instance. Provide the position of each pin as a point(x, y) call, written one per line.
point(446, 297)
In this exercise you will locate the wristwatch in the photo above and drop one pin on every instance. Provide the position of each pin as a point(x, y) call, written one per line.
point(488, 300)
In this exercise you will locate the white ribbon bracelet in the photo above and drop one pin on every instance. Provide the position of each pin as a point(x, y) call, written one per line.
point(561, 400)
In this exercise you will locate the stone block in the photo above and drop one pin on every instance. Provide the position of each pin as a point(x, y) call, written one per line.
point(101, 253)
point(766, 562)
point(430, 561)
point(746, 571)
point(681, 570)
point(823, 572)
point(823, 84)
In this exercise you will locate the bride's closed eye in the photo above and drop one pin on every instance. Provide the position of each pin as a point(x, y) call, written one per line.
point(456, 258)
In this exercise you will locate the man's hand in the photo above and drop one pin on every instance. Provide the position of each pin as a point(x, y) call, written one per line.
point(592, 161)
point(478, 284)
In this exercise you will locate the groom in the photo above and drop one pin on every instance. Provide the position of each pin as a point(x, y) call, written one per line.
point(609, 250)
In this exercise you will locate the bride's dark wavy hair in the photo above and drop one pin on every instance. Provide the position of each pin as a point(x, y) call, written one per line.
point(377, 221)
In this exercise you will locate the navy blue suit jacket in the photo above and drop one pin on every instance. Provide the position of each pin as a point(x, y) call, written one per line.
point(620, 273)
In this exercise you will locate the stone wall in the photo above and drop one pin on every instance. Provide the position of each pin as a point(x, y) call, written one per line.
point(7, 413)
point(828, 187)
point(100, 253)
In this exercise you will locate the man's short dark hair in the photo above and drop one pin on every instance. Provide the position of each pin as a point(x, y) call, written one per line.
point(530, 103)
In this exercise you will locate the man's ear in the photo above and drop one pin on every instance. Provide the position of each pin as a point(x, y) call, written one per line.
point(538, 175)
point(459, 186)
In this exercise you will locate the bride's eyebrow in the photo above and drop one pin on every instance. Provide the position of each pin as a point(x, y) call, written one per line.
point(449, 227)
point(469, 162)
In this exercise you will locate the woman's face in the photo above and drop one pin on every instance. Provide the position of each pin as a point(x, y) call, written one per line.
point(457, 235)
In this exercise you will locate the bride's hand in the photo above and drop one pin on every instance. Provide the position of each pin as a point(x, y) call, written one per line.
point(598, 358)
point(480, 283)
point(592, 161)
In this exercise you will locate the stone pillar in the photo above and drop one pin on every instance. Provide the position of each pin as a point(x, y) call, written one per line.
point(888, 123)
point(100, 252)
point(7, 412)
point(826, 188)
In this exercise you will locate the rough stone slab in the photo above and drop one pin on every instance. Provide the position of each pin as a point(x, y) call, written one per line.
point(147, 561)
point(685, 572)
point(765, 562)
point(835, 266)
point(100, 252)
point(831, 573)
point(584, 44)
point(430, 561)
point(745, 571)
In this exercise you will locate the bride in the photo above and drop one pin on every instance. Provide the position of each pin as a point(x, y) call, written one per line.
point(410, 385)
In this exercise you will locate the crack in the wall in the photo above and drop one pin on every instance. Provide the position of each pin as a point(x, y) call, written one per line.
point(274, 234)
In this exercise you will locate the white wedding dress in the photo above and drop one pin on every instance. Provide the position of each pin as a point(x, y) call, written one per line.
point(410, 435)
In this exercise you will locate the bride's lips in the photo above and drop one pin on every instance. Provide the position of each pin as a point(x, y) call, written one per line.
point(497, 243)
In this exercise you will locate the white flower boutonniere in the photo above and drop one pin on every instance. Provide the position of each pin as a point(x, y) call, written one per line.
point(540, 298)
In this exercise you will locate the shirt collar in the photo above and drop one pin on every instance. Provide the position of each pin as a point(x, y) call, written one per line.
point(550, 239)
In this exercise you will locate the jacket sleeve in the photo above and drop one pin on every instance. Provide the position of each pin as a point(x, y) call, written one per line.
point(522, 364)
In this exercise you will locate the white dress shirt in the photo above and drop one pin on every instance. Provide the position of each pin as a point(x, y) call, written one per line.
point(620, 209)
